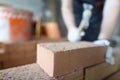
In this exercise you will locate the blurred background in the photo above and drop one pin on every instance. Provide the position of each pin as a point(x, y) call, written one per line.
point(23, 20)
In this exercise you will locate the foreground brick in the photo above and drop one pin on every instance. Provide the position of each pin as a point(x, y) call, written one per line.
point(58, 59)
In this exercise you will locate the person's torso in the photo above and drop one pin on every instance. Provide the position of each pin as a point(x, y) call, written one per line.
point(93, 2)
point(95, 21)
point(78, 9)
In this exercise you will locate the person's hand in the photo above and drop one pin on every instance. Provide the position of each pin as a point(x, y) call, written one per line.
point(109, 53)
point(74, 35)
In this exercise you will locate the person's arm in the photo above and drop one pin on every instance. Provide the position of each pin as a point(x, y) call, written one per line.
point(110, 17)
point(67, 13)
point(68, 16)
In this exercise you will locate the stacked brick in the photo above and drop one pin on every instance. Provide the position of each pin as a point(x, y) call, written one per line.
point(103, 70)
point(17, 54)
point(58, 59)
point(67, 61)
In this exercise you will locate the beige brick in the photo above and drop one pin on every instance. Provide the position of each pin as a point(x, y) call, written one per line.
point(60, 58)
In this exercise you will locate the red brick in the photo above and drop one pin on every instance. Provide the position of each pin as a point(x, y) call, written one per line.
point(18, 62)
point(1, 65)
point(16, 55)
point(30, 46)
point(60, 58)
point(4, 57)
point(2, 48)
point(12, 47)
point(30, 53)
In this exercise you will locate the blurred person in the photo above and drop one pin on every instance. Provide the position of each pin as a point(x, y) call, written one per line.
point(105, 14)
point(102, 22)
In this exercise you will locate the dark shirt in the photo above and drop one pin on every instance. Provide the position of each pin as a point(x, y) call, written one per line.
point(95, 22)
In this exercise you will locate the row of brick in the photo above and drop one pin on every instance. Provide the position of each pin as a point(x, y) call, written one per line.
point(103, 71)
point(58, 59)
point(115, 76)
point(17, 54)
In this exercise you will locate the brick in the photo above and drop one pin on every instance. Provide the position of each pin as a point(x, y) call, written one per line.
point(1, 65)
point(21, 50)
point(30, 45)
point(16, 55)
point(18, 62)
point(30, 53)
point(60, 58)
point(21, 46)
point(76, 75)
point(4, 57)
point(101, 71)
point(2, 48)
point(115, 76)
point(16, 51)
point(12, 47)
